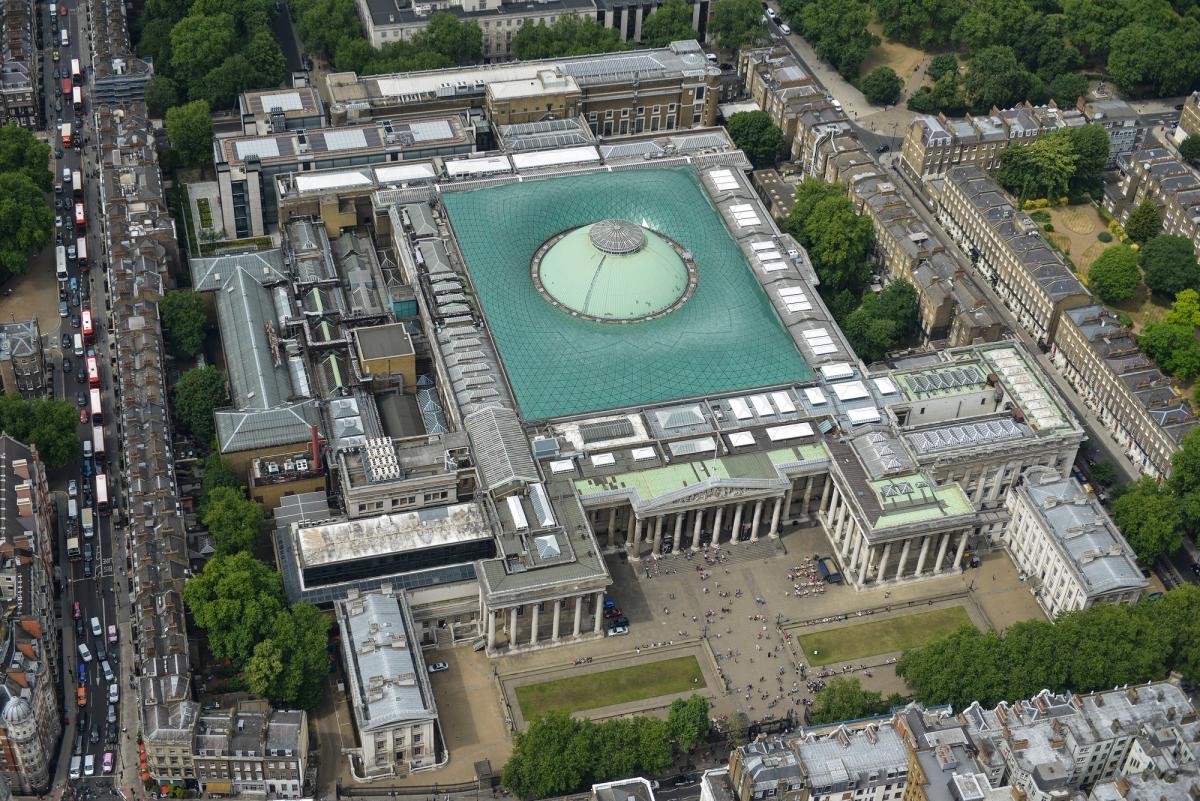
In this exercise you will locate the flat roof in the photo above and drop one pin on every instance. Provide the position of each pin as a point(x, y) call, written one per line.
point(726, 337)
point(905, 501)
point(384, 341)
point(395, 533)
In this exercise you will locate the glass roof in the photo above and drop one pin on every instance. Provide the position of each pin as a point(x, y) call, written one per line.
point(727, 337)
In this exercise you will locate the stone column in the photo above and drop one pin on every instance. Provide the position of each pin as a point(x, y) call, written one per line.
point(578, 613)
point(881, 571)
point(825, 493)
point(533, 625)
point(903, 559)
point(924, 553)
point(937, 566)
point(977, 496)
point(512, 627)
point(636, 544)
point(557, 611)
point(854, 549)
point(755, 520)
point(807, 496)
point(491, 629)
point(658, 527)
point(998, 487)
point(678, 532)
point(864, 563)
point(720, 513)
point(786, 510)
point(599, 611)
point(774, 531)
point(612, 526)
point(737, 521)
point(962, 547)
point(697, 524)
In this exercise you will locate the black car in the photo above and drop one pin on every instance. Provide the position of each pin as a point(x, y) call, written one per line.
point(87, 552)
point(75, 318)
point(66, 338)
point(618, 621)
point(87, 569)
point(79, 627)
point(82, 720)
point(1196, 568)
point(66, 365)
point(81, 399)
point(94, 736)
point(882, 149)
point(87, 494)
point(110, 733)
point(80, 376)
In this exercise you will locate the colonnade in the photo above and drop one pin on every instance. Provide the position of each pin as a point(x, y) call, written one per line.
point(532, 634)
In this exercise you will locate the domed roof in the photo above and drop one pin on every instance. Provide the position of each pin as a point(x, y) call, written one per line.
point(614, 270)
point(17, 710)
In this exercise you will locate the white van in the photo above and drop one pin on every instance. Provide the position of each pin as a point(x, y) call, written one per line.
point(78, 344)
point(84, 653)
point(67, 177)
point(87, 523)
point(72, 509)
point(66, 40)
point(75, 765)
point(89, 765)
point(114, 692)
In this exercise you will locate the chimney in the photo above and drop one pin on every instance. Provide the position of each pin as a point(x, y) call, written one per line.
point(314, 448)
point(21, 468)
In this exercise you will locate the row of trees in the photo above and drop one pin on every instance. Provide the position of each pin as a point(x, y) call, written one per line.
point(1062, 163)
point(1144, 46)
point(756, 136)
point(1171, 342)
point(1097, 648)
point(26, 222)
point(1166, 263)
point(836, 29)
point(558, 754)
point(208, 50)
point(844, 698)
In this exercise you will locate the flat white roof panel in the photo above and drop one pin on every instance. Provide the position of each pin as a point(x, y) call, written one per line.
point(603, 460)
point(762, 406)
point(492, 164)
point(641, 454)
point(815, 396)
point(832, 372)
point(740, 439)
point(517, 513)
point(336, 180)
point(783, 401)
point(791, 431)
point(860, 416)
point(740, 410)
point(404, 172)
point(549, 158)
point(850, 390)
point(885, 385)
point(562, 466)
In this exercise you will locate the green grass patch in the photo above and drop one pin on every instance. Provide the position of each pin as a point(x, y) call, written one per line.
point(205, 211)
point(881, 636)
point(177, 199)
point(610, 687)
point(259, 242)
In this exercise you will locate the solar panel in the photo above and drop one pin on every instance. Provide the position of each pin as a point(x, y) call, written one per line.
point(345, 140)
point(613, 429)
point(430, 131)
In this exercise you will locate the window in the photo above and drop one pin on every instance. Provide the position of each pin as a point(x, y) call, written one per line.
point(699, 92)
point(608, 114)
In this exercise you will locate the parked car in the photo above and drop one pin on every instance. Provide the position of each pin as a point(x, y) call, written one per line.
point(107, 766)
point(617, 631)
point(785, 29)
point(612, 611)
point(94, 735)
point(82, 671)
point(72, 489)
point(438, 667)
point(76, 611)
point(882, 148)
point(84, 653)
point(66, 338)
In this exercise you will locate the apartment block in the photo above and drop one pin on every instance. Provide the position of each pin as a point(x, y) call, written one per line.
point(20, 62)
point(1126, 131)
point(933, 145)
point(1143, 411)
point(22, 360)
point(249, 749)
point(1173, 186)
point(1189, 118)
point(1010, 251)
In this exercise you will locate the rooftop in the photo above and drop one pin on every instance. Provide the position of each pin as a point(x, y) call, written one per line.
point(724, 338)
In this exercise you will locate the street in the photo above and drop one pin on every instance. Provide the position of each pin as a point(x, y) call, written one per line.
point(93, 615)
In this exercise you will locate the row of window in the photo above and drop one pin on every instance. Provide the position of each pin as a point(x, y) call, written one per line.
point(405, 501)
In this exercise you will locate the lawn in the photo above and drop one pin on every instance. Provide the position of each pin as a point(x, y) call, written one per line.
point(202, 206)
point(881, 636)
point(610, 687)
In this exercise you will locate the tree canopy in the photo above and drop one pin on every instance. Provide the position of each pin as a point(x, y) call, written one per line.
point(996, 78)
point(234, 522)
point(940, 65)
point(839, 241)
point(1170, 265)
point(1042, 168)
point(1150, 518)
point(189, 127)
point(1173, 347)
point(884, 321)
point(289, 667)
point(184, 320)
point(236, 600)
point(757, 136)
point(844, 698)
point(836, 29)
point(21, 152)
point(570, 35)
point(736, 23)
point(881, 86)
point(668, 23)
point(1114, 276)
point(199, 393)
point(1190, 149)
point(217, 474)
point(26, 222)
point(50, 425)
point(1100, 647)
point(160, 94)
point(1144, 223)
point(689, 722)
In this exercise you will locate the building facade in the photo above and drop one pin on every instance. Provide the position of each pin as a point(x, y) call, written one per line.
point(1141, 408)
point(20, 60)
point(1156, 174)
point(248, 749)
point(23, 365)
point(1061, 538)
point(1010, 251)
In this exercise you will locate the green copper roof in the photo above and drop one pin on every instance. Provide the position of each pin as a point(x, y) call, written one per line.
point(639, 279)
point(726, 337)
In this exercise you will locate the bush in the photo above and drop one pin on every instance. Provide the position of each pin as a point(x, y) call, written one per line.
point(1048, 228)
point(1115, 276)
point(1040, 216)
point(1104, 236)
point(881, 86)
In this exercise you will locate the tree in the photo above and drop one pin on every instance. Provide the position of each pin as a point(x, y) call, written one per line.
point(839, 241)
point(996, 78)
point(736, 23)
point(1144, 222)
point(1150, 518)
point(235, 599)
point(160, 94)
point(688, 722)
point(1185, 310)
point(1190, 149)
point(1067, 88)
point(837, 30)
point(189, 127)
point(871, 337)
point(899, 303)
point(1173, 347)
point(1170, 265)
point(845, 699)
point(50, 425)
point(923, 23)
point(1115, 276)
point(550, 758)
point(809, 193)
point(947, 96)
point(184, 316)
point(755, 134)
point(26, 222)
point(1042, 168)
point(268, 66)
point(199, 393)
point(198, 45)
point(570, 35)
point(941, 65)
point(668, 23)
point(1089, 143)
point(881, 86)
point(1133, 58)
point(234, 522)
point(460, 42)
point(290, 666)
point(21, 152)
point(217, 474)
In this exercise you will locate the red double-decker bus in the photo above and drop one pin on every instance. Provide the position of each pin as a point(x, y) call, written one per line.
point(85, 319)
point(67, 87)
point(93, 371)
point(80, 217)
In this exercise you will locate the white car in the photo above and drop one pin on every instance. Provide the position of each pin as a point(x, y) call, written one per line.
point(72, 489)
point(438, 667)
point(784, 29)
point(771, 13)
point(617, 631)
point(114, 693)
point(96, 630)
point(84, 653)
